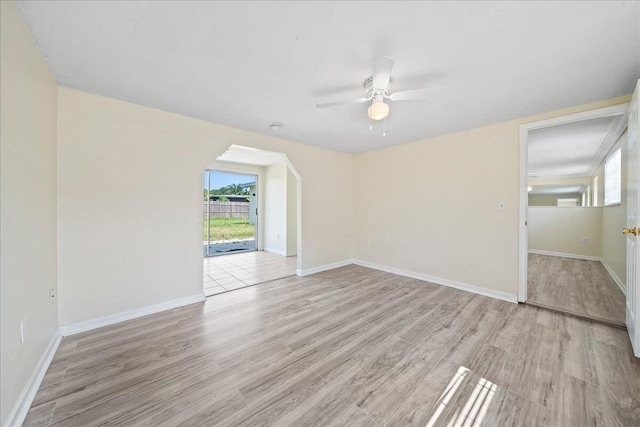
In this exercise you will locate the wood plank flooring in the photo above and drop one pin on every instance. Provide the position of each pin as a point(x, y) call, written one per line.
point(350, 346)
point(579, 286)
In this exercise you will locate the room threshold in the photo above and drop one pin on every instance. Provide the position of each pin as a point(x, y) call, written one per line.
point(248, 286)
point(579, 315)
point(231, 252)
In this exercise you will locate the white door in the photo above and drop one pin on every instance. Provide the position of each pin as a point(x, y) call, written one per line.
point(633, 229)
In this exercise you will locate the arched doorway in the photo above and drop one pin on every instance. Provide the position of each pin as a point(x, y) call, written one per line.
point(267, 205)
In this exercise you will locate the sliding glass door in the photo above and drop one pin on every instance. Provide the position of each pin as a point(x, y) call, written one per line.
point(229, 213)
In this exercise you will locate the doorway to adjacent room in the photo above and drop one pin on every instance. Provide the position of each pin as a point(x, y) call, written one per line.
point(251, 219)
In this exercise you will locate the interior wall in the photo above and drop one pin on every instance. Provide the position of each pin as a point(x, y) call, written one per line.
point(614, 219)
point(292, 214)
point(275, 195)
point(554, 229)
point(116, 159)
point(551, 199)
point(444, 211)
point(28, 214)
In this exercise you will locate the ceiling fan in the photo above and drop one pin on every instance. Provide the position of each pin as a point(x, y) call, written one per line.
point(377, 89)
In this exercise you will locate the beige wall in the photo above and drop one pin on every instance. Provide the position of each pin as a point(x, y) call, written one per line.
point(551, 199)
point(117, 158)
point(275, 199)
point(292, 214)
point(448, 225)
point(443, 219)
point(614, 219)
point(28, 214)
point(554, 229)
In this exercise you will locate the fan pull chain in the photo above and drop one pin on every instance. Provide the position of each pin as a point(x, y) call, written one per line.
point(384, 127)
point(370, 123)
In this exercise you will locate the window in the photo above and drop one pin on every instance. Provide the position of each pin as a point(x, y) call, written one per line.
point(567, 203)
point(595, 191)
point(613, 179)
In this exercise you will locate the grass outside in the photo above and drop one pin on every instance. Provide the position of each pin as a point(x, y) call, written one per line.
point(228, 229)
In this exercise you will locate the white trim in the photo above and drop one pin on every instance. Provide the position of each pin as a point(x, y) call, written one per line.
point(565, 255)
point(88, 325)
point(275, 251)
point(523, 193)
point(523, 203)
point(314, 270)
point(19, 411)
point(614, 277)
point(444, 282)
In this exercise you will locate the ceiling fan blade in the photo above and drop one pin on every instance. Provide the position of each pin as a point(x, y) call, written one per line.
point(414, 94)
point(382, 72)
point(351, 101)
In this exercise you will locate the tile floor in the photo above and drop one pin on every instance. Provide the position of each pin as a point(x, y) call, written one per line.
point(228, 272)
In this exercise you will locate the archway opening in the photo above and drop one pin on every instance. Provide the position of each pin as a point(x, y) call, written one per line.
point(255, 237)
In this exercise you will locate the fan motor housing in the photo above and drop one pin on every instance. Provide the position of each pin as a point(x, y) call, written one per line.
point(368, 86)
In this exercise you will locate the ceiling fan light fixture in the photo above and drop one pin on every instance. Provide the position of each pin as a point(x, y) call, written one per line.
point(378, 110)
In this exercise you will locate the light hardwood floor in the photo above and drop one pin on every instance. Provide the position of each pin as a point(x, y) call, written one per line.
point(579, 286)
point(350, 346)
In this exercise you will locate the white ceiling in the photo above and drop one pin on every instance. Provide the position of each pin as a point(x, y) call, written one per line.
point(249, 64)
point(572, 149)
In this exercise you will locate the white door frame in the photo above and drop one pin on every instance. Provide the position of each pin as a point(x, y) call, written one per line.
point(632, 303)
point(523, 193)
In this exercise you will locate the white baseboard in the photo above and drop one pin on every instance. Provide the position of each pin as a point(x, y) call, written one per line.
point(565, 255)
point(275, 251)
point(88, 325)
point(614, 277)
point(19, 412)
point(444, 282)
point(325, 267)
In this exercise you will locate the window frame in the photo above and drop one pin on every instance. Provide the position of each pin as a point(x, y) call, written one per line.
point(613, 153)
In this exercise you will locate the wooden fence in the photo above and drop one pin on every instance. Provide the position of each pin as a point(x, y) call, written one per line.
point(228, 209)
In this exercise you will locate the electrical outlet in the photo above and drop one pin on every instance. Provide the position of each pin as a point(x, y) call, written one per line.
point(585, 240)
point(368, 242)
point(52, 295)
